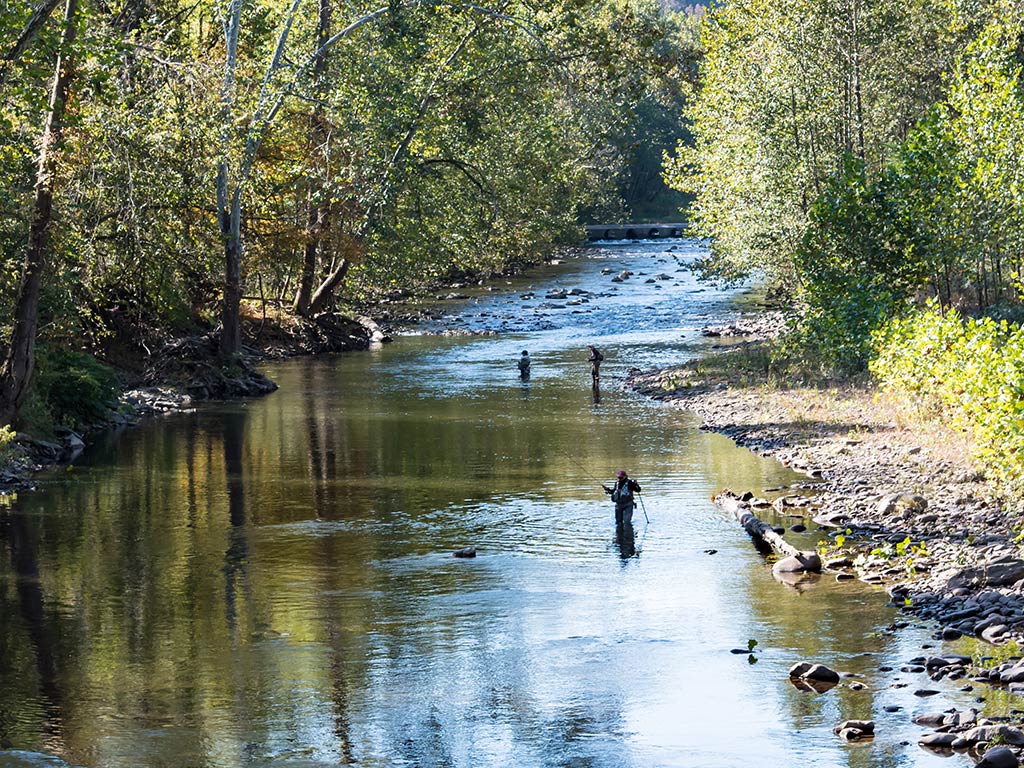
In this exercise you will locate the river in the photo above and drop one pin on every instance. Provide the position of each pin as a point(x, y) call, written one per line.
point(271, 583)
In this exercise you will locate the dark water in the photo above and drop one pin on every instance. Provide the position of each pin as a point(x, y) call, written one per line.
point(271, 583)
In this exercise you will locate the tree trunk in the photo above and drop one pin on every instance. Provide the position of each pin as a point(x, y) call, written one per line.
point(309, 253)
point(231, 231)
point(20, 362)
point(325, 292)
point(35, 23)
point(796, 560)
point(317, 214)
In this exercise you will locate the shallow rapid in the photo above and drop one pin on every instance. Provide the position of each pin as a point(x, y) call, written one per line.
point(271, 583)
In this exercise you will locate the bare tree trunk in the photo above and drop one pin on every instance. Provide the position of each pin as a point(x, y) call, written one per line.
point(231, 231)
point(325, 292)
point(858, 98)
point(317, 214)
point(28, 34)
point(20, 362)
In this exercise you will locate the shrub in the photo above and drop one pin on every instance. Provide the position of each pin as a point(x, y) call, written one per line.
point(73, 388)
point(969, 372)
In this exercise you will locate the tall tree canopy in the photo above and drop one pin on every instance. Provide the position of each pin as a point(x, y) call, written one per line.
point(306, 151)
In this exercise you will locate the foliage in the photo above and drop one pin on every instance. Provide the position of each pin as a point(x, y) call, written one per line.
point(902, 553)
point(7, 435)
point(430, 139)
point(967, 372)
point(74, 388)
point(787, 91)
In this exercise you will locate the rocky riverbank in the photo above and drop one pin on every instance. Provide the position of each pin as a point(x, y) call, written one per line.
point(902, 504)
point(913, 509)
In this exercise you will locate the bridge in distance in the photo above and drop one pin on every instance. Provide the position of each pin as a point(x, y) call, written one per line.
point(633, 231)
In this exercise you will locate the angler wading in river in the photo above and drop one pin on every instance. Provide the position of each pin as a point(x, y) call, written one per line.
point(623, 494)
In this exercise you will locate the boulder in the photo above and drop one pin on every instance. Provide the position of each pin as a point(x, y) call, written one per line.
point(821, 673)
point(465, 552)
point(798, 669)
point(937, 740)
point(999, 573)
point(1007, 734)
point(998, 757)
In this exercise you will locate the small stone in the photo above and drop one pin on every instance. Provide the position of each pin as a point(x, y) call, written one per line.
point(798, 669)
point(865, 726)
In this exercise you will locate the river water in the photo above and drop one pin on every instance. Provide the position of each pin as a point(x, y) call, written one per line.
point(271, 583)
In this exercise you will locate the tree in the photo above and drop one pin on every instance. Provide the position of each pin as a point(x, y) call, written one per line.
point(16, 372)
point(788, 89)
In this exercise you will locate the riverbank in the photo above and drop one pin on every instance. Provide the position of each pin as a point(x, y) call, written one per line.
point(186, 370)
point(913, 510)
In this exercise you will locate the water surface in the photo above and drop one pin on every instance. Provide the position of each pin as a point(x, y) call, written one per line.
point(270, 583)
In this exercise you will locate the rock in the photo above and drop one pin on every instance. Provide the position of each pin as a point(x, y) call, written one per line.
point(900, 502)
point(832, 519)
point(1007, 734)
point(465, 552)
point(820, 673)
point(998, 757)
point(998, 573)
point(801, 667)
point(938, 740)
point(835, 563)
point(929, 719)
point(1012, 675)
point(864, 726)
point(994, 634)
point(855, 734)
point(797, 564)
point(925, 692)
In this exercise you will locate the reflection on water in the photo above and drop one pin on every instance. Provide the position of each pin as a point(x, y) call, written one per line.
point(271, 582)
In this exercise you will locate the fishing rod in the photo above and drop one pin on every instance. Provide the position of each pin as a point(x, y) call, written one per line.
point(644, 508)
point(591, 477)
point(586, 472)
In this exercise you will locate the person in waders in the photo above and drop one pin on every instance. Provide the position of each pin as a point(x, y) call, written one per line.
point(624, 496)
point(524, 365)
point(596, 358)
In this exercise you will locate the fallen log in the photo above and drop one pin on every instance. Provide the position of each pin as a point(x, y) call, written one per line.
point(793, 560)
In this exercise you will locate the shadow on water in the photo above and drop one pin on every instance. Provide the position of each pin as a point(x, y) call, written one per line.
point(625, 541)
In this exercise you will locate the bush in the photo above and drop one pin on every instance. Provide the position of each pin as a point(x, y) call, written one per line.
point(969, 372)
point(855, 268)
point(73, 388)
